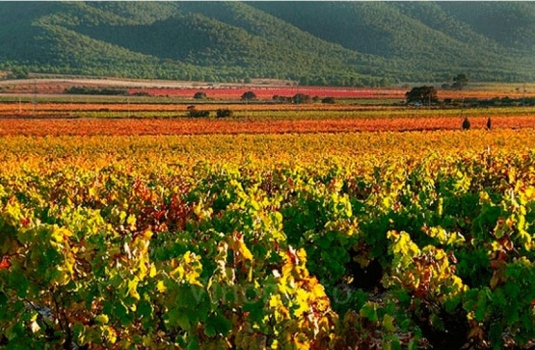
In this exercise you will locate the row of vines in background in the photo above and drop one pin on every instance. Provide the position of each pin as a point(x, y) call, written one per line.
point(256, 111)
point(361, 151)
point(399, 252)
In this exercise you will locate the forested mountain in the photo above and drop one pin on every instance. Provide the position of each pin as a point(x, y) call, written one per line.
point(339, 43)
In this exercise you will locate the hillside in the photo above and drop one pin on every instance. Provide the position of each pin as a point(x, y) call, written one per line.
point(316, 43)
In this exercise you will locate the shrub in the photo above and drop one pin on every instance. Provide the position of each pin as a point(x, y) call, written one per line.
point(82, 90)
point(282, 99)
point(200, 95)
point(249, 95)
point(141, 93)
point(301, 98)
point(328, 100)
point(223, 113)
point(422, 94)
point(194, 113)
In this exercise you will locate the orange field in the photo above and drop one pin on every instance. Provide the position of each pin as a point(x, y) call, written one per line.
point(48, 109)
point(480, 95)
point(185, 126)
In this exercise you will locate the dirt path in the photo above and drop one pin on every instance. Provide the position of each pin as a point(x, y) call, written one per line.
point(133, 83)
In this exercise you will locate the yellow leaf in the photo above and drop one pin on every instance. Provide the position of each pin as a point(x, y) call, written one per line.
point(250, 274)
point(152, 272)
point(132, 288)
point(302, 255)
point(110, 334)
point(161, 287)
point(147, 234)
point(318, 291)
point(301, 345)
point(178, 273)
point(102, 319)
point(239, 246)
point(131, 221)
point(245, 252)
point(275, 301)
point(302, 302)
point(187, 257)
point(287, 270)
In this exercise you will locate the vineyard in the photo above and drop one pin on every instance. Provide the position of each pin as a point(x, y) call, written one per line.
point(301, 241)
point(57, 127)
point(256, 111)
point(126, 222)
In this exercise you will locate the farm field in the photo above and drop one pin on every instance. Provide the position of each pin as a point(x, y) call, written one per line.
point(288, 241)
point(165, 89)
point(158, 118)
point(267, 150)
point(183, 126)
point(257, 110)
point(266, 93)
point(265, 89)
point(296, 227)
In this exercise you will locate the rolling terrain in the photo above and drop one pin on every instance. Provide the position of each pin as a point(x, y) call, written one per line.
point(316, 43)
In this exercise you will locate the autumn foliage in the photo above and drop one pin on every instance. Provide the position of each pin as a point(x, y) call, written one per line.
point(268, 241)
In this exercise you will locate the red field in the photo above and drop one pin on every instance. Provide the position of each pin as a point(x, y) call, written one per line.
point(234, 91)
point(269, 92)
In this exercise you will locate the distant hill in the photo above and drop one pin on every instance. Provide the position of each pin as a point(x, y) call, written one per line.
point(316, 43)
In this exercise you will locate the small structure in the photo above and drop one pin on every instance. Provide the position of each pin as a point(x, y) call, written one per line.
point(466, 123)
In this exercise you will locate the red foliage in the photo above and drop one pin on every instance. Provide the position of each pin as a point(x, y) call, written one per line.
point(5, 263)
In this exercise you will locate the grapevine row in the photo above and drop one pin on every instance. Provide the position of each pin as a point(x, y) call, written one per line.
point(410, 252)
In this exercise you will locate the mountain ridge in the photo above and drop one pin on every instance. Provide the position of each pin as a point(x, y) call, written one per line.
point(315, 43)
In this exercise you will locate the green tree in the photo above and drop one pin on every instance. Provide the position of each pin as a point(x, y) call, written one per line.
point(249, 95)
point(329, 100)
point(194, 113)
point(19, 73)
point(223, 113)
point(200, 95)
point(422, 94)
point(301, 98)
point(459, 81)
